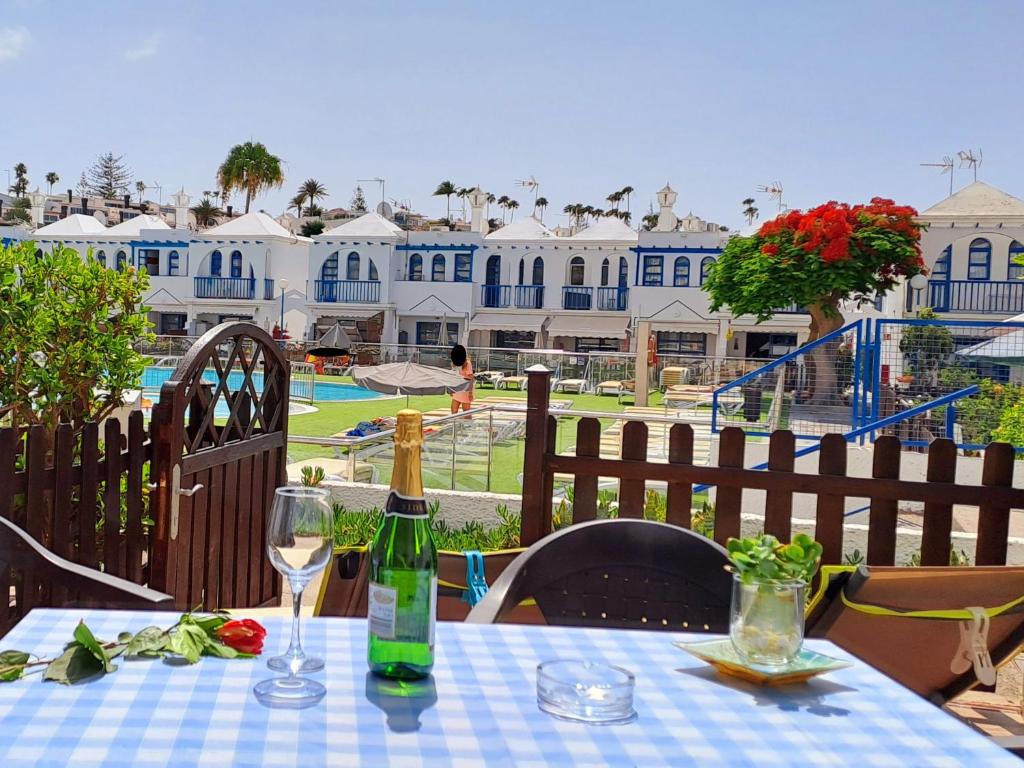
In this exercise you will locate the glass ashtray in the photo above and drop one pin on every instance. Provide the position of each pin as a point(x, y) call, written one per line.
point(586, 692)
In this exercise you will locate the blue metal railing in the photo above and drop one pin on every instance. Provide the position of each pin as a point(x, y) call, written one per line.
point(225, 287)
point(348, 291)
point(577, 297)
point(888, 421)
point(495, 295)
point(975, 296)
point(835, 335)
point(612, 299)
point(530, 296)
point(268, 288)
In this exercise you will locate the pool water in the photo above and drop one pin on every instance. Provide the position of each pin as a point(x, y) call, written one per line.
point(324, 391)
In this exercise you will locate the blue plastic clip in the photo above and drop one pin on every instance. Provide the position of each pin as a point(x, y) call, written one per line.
point(476, 578)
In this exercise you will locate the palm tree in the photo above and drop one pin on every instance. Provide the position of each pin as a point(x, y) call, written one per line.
point(446, 189)
point(503, 202)
point(650, 221)
point(312, 190)
point(542, 203)
point(297, 202)
point(51, 179)
point(597, 213)
point(614, 199)
point(250, 168)
point(206, 212)
point(512, 205)
point(625, 216)
point(626, 192)
point(140, 187)
point(587, 211)
point(750, 210)
point(20, 185)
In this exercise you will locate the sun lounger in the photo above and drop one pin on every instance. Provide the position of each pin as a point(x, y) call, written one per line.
point(488, 377)
point(507, 382)
point(570, 385)
point(608, 388)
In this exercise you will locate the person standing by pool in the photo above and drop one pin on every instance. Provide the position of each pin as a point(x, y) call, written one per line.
point(464, 398)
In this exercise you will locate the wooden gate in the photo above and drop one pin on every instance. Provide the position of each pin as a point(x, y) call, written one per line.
point(215, 470)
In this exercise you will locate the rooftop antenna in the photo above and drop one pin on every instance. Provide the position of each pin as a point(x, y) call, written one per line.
point(375, 180)
point(774, 192)
point(968, 160)
point(531, 184)
point(947, 167)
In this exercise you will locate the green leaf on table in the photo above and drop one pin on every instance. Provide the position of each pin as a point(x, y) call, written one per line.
point(77, 663)
point(210, 624)
point(12, 665)
point(220, 650)
point(188, 642)
point(84, 636)
point(151, 641)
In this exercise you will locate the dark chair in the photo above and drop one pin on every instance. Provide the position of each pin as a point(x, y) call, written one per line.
point(629, 574)
point(33, 577)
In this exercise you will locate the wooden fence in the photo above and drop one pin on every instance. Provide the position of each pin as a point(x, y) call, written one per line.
point(80, 495)
point(939, 492)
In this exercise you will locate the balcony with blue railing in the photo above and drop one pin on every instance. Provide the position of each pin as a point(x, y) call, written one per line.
point(978, 296)
point(495, 295)
point(268, 288)
point(530, 296)
point(225, 287)
point(348, 291)
point(612, 299)
point(577, 297)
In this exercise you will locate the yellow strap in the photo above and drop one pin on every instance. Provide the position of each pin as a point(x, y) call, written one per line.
point(959, 614)
point(826, 574)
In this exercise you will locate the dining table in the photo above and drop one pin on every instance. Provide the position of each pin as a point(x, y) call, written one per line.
point(478, 708)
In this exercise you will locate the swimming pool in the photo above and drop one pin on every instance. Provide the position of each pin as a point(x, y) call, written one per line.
point(324, 391)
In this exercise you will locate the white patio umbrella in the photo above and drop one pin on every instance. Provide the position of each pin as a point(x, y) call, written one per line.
point(1007, 349)
point(409, 379)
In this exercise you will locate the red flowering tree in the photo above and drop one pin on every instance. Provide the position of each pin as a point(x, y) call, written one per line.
point(817, 259)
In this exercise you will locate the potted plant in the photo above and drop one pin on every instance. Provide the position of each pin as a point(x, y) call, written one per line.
point(766, 623)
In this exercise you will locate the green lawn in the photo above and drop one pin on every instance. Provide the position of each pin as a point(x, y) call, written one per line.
point(507, 459)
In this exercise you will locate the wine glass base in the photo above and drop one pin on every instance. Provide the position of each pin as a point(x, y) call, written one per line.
point(305, 665)
point(289, 692)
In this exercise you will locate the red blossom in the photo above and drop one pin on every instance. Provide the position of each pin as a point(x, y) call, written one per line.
point(244, 635)
point(770, 249)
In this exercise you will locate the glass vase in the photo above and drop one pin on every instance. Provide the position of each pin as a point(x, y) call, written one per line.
point(766, 623)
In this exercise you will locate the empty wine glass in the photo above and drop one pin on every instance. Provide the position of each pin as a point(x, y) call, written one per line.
point(299, 541)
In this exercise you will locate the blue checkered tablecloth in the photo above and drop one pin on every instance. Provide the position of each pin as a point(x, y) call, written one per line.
point(485, 712)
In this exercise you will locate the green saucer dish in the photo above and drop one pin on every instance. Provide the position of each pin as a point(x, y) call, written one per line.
point(721, 654)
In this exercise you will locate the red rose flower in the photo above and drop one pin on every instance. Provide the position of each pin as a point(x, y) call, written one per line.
point(244, 635)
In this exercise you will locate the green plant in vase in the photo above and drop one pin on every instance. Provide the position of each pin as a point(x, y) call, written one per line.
point(766, 623)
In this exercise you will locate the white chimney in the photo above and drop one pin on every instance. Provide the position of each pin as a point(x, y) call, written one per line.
point(477, 201)
point(37, 200)
point(181, 201)
point(667, 221)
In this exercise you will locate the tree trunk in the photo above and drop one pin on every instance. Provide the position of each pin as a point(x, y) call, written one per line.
point(822, 381)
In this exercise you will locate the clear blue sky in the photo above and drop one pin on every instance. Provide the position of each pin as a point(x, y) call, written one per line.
point(835, 100)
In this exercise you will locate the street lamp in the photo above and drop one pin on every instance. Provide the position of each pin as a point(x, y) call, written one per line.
point(283, 285)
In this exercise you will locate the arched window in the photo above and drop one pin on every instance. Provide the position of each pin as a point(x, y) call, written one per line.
point(416, 267)
point(1015, 266)
point(173, 267)
point(941, 269)
point(372, 274)
point(522, 270)
point(329, 271)
point(979, 259)
point(705, 268)
point(604, 272)
point(538, 271)
point(576, 270)
point(236, 263)
point(215, 261)
point(352, 266)
point(492, 273)
point(101, 257)
point(437, 268)
point(623, 272)
point(120, 261)
point(681, 272)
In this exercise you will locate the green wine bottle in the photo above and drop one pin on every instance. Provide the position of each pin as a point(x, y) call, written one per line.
point(403, 567)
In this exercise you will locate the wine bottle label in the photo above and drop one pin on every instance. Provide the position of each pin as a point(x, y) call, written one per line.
point(403, 605)
point(382, 611)
point(405, 506)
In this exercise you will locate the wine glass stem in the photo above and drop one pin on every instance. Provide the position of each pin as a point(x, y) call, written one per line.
point(295, 645)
